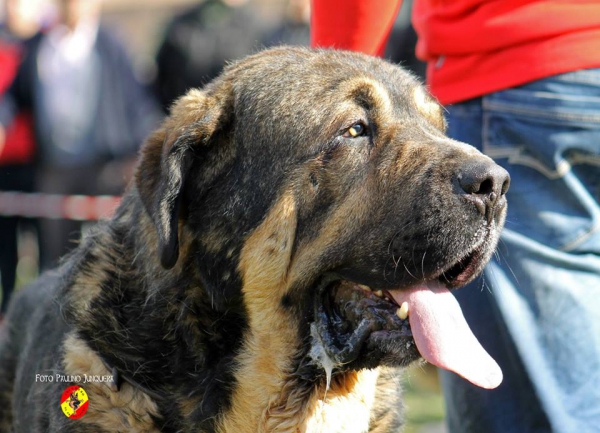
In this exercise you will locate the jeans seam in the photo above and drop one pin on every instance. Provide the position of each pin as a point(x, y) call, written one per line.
point(514, 156)
point(540, 113)
point(564, 166)
point(580, 239)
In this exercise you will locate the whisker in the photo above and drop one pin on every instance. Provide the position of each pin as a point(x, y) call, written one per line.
point(409, 273)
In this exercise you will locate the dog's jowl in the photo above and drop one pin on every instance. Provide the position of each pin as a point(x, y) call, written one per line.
point(289, 242)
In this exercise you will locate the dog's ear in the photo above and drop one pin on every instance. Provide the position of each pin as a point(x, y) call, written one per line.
point(166, 159)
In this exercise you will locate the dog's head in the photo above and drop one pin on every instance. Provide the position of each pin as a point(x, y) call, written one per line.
point(318, 190)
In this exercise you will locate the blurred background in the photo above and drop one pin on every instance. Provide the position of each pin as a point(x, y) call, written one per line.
point(82, 82)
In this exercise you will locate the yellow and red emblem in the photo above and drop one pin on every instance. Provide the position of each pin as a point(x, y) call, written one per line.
point(74, 402)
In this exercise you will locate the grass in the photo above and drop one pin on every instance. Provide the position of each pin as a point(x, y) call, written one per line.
point(423, 400)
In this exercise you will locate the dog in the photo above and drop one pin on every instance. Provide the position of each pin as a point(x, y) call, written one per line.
point(287, 244)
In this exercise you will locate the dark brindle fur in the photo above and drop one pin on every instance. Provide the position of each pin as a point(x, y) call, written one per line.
point(205, 286)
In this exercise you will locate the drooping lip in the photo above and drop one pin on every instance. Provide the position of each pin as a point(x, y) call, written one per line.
point(437, 325)
point(467, 266)
point(353, 322)
point(456, 274)
point(463, 270)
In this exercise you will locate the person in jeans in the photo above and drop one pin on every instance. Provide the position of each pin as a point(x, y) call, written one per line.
point(521, 81)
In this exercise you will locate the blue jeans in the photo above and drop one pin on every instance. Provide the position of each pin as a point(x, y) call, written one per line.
point(537, 307)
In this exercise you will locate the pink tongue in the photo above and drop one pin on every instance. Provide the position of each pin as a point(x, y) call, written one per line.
point(443, 336)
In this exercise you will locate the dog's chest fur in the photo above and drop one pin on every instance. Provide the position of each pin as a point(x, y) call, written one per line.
point(267, 394)
point(346, 413)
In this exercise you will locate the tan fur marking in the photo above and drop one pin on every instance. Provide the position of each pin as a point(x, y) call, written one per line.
point(428, 107)
point(347, 407)
point(86, 287)
point(267, 352)
point(186, 111)
point(267, 397)
point(344, 408)
point(191, 108)
point(373, 89)
point(126, 410)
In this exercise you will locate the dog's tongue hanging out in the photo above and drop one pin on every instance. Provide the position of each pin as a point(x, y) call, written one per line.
point(443, 336)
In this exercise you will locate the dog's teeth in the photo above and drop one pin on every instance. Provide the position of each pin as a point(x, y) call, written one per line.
point(402, 312)
point(362, 286)
point(379, 293)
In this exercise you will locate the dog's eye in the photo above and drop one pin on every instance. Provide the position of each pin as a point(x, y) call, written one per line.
point(355, 130)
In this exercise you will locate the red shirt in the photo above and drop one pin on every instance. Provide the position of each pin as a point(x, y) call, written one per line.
point(472, 47)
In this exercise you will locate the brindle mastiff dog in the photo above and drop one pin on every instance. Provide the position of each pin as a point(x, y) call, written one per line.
point(251, 279)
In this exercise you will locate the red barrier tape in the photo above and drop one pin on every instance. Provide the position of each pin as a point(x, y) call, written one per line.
point(57, 206)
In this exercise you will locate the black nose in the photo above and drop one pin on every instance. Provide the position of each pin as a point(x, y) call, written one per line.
point(485, 182)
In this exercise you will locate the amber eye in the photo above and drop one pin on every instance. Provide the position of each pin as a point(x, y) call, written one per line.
point(355, 130)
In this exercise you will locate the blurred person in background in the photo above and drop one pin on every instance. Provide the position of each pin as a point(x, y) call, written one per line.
point(17, 146)
point(521, 82)
point(90, 114)
point(295, 26)
point(199, 42)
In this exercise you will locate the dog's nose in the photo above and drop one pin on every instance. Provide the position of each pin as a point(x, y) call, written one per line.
point(485, 182)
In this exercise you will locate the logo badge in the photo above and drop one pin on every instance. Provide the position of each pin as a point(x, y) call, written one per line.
point(74, 402)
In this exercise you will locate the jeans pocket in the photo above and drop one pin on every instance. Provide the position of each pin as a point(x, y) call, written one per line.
point(547, 135)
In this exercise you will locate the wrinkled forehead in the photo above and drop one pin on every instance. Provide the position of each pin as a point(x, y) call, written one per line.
point(310, 76)
point(385, 90)
point(396, 97)
point(308, 92)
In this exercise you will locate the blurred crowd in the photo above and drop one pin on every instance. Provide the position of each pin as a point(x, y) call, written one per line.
point(73, 110)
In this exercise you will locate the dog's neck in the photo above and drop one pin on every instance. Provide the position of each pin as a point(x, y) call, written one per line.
point(248, 383)
point(266, 401)
point(270, 393)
